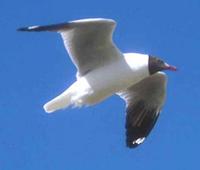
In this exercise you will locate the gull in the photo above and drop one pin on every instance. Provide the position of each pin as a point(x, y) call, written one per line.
point(103, 70)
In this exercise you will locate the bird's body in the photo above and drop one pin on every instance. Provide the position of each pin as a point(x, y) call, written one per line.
point(102, 70)
point(103, 82)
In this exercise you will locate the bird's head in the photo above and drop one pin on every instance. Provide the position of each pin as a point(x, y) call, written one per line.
point(156, 64)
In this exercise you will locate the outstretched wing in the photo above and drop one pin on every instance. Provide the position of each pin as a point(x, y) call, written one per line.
point(88, 41)
point(144, 101)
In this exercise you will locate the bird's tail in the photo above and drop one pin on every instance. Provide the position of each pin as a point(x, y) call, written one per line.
point(60, 102)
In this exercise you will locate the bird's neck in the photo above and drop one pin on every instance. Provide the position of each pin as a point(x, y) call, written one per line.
point(138, 63)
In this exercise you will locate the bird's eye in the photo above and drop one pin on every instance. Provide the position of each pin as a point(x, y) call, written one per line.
point(160, 62)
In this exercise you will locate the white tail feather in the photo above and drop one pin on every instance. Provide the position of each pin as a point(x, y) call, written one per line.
point(75, 95)
point(60, 102)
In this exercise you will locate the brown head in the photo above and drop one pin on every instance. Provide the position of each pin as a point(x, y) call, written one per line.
point(156, 64)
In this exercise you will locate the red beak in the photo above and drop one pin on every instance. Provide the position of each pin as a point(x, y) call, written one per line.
point(169, 67)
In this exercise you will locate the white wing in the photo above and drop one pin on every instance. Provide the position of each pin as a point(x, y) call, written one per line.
point(144, 101)
point(88, 41)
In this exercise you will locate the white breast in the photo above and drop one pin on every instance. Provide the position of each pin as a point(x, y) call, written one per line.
point(105, 81)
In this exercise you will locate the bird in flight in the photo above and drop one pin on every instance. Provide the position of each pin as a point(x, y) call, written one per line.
point(103, 70)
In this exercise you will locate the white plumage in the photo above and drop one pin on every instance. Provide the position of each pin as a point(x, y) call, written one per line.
point(102, 70)
point(102, 82)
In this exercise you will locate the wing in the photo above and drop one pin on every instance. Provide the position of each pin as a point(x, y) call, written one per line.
point(88, 41)
point(144, 101)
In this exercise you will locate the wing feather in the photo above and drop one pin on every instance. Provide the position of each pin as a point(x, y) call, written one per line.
point(88, 41)
point(144, 101)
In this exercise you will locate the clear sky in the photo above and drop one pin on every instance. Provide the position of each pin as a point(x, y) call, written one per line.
point(34, 68)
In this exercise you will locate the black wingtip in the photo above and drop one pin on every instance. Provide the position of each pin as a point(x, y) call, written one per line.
point(131, 145)
point(134, 143)
point(53, 27)
point(23, 29)
point(29, 29)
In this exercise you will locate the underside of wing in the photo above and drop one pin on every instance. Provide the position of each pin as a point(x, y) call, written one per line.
point(140, 120)
point(88, 41)
point(144, 101)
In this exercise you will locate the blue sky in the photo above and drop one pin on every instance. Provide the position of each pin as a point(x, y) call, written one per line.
point(34, 68)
